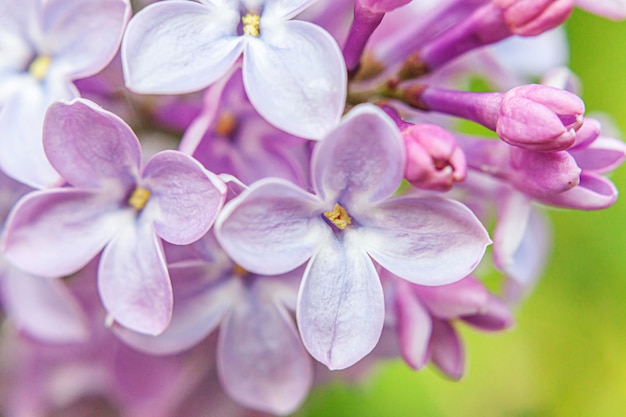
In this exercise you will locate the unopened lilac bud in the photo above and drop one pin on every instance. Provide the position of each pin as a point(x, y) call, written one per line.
point(434, 160)
point(539, 118)
point(534, 117)
point(533, 17)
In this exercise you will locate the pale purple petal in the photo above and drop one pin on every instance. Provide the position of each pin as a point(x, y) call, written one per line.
point(285, 9)
point(603, 155)
point(465, 297)
point(83, 35)
point(55, 233)
point(613, 9)
point(272, 227)
point(199, 307)
point(340, 309)
point(133, 280)
point(594, 192)
point(362, 160)
point(513, 214)
point(297, 66)
point(261, 361)
point(446, 349)
point(494, 316)
point(180, 46)
point(414, 326)
point(427, 241)
point(21, 119)
point(185, 198)
point(91, 147)
point(43, 308)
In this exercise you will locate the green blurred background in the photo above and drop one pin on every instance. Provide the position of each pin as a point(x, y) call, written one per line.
point(566, 356)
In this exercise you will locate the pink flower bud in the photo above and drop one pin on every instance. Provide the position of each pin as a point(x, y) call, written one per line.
point(434, 160)
point(539, 118)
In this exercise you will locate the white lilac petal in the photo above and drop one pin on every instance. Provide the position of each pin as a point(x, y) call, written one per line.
point(199, 307)
point(56, 232)
point(20, 17)
point(133, 281)
point(83, 36)
point(361, 161)
point(180, 46)
point(43, 308)
point(613, 9)
point(427, 241)
point(22, 155)
point(90, 146)
point(285, 9)
point(414, 326)
point(340, 307)
point(297, 66)
point(261, 361)
point(185, 198)
point(272, 227)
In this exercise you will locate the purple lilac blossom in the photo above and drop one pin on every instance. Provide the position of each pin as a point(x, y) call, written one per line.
point(351, 217)
point(44, 46)
point(183, 46)
point(111, 202)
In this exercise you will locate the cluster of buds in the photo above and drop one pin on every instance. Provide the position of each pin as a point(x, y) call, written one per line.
point(209, 206)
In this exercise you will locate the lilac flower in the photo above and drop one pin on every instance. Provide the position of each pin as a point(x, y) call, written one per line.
point(110, 202)
point(423, 317)
point(44, 45)
point(261, 362)
point(183, 46)
point(274, 226)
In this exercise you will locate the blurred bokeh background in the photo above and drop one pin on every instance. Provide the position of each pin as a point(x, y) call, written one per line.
point(566, 356)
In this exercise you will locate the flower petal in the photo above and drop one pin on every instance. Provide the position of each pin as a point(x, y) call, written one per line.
point(593, 192)
point(180, 46)
point(83, 36)
point(261, 361)
point(199, 307)
point(340, 309)
point(362, 160)
point(285, 9)
point(42, 307)
point(427, 241)
point(90, 146)
point(447, 350)
point(55, 233)
point(133, 280)
point(185, 197)
point(296, 66)
point(271, 228)
point(414, 326)
point(465, 297)
point(22, 153)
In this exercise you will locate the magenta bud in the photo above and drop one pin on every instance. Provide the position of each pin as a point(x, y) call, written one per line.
point(434, 160)
point(533, 17)
point(539, 118)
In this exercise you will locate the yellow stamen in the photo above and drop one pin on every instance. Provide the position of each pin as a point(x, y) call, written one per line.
point(338, 216)
point(39, 67)
point(139, 198)
point(251, 24)
point(226, 124)
point(239, 270)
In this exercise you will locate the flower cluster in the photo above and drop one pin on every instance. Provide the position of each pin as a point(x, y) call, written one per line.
point(306, 199)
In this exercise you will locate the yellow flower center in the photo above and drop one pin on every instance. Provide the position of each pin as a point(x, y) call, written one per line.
point(139, 198)
point(239, 270)
point(39, 67)
point(226, 124)
point(251, 24)
point(338, 216)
